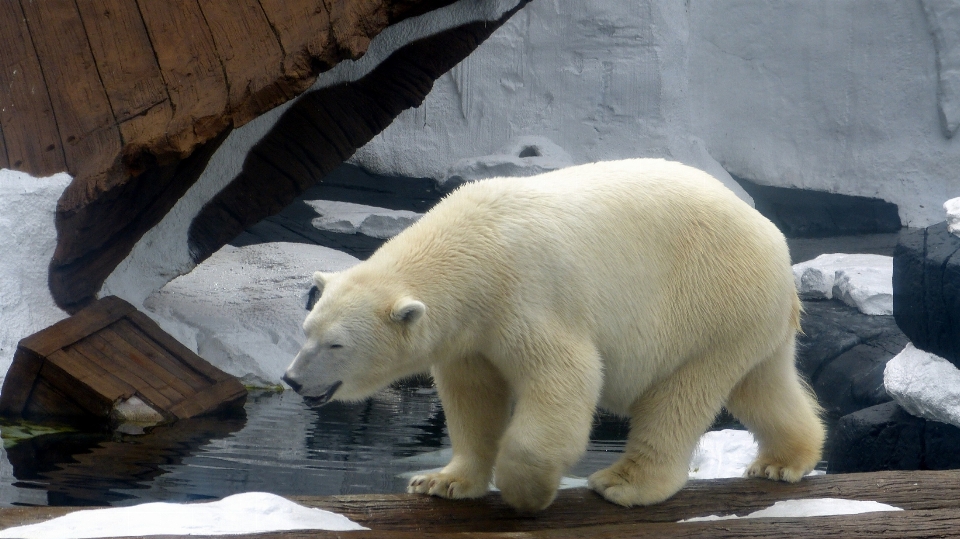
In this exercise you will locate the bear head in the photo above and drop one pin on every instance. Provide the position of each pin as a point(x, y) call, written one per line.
point(363, 333)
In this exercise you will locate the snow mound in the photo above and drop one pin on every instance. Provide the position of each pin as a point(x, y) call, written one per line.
point(247, 513)
point(349, 218)
point(27, 240)
point(860, 280)
point(723, 453)
point(924, 384)
point(816, 507)
point(952, 208)
point(242, 309)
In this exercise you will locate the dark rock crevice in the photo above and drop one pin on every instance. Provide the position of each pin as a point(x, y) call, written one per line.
point(324, 128)
point(800, 213)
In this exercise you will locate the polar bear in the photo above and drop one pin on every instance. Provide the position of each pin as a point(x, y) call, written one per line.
point(644, 287)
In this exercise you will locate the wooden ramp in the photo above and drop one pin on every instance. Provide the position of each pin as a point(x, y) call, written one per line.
point(930, 499)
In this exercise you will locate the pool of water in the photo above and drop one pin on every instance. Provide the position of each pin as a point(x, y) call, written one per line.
point(278, 445)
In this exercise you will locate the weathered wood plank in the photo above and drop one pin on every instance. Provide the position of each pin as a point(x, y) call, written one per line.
point(25, 101)
point(76, 391)
point(304, 31)
point(223, 393)
point(4, 162)
point(19, 381)
point(175, 347)
point(70, 330)
point(88, 131)
point(580, 507)
point(197, 88)
point(128, 70)
point(98, 379)
point(96, 358)
point(161, 368)
point(240, 32)
point(46, 400)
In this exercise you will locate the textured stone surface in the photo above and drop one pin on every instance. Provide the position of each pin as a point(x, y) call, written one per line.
point(842, 353)
point(924, 384)
point(944, 19)
point(785, 94)
point(926, 290)
point(242, 309)
point(525, 156)
point(27, 241)
point(885, 437)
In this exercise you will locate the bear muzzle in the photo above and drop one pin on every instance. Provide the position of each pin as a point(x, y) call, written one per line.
point(313, 400)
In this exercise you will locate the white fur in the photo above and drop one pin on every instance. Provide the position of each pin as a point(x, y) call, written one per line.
point(641, 286)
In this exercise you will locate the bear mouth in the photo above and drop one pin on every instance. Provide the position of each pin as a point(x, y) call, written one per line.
point(325, 398)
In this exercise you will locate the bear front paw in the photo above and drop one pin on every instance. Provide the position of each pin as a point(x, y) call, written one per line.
point(446, 485)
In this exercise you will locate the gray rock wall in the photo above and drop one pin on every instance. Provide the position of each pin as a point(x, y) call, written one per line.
point(841, 96)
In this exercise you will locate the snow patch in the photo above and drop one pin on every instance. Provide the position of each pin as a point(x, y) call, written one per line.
point(860, 280)
point(952, 207)
point(247, 513)
point(817, 507)
point(723, 453)
point(28, 238)
point(924, 384)
point(242, 309)
point(349, 218)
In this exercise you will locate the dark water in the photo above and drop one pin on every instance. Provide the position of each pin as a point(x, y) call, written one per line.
point(280, 446)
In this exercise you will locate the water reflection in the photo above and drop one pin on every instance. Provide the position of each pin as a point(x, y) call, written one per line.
point(280, 446)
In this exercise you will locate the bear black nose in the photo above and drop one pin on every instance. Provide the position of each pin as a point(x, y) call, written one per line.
point(293, 383)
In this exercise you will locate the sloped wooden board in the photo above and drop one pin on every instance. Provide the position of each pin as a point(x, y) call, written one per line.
point(106, 353)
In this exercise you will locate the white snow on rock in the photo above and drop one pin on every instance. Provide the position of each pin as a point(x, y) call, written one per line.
point(924, 384)
point(816, 507)
point(524, 156)
point(27, 241)
point(247, 513)
point(349, 218)
point(723, 453)
point(952, 208)
point(863, 281)
point(243, 308)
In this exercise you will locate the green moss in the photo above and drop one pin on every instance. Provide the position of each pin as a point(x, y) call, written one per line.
point(13, 433)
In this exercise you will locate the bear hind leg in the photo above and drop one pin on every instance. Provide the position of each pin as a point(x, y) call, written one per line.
point(782, 413)
point(666, 423)
point(476, 403)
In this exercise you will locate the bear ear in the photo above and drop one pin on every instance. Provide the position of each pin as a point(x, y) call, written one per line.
point(407, 311)
point(320, 281)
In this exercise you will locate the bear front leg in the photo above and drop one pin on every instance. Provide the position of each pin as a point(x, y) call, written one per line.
point(556, 399)
point(476, 403)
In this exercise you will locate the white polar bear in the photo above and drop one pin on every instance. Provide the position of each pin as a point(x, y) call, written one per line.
point(642, 286)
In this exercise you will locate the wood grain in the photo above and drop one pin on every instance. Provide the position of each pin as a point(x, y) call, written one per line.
point(929, 498)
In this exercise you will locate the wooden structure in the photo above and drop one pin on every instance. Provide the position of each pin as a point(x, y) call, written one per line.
point(132, 99)
point(930, 499)
point(82, 366)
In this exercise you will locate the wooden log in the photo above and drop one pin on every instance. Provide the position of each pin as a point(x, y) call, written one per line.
point(30, 131)
point(924, 490)
point(575, 514)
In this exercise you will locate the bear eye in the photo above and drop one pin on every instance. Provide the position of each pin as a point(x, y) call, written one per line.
point(335, 346)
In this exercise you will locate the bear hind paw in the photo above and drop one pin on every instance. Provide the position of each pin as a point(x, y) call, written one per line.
point(615, 487)
point(777, 471)
point(445, 485)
